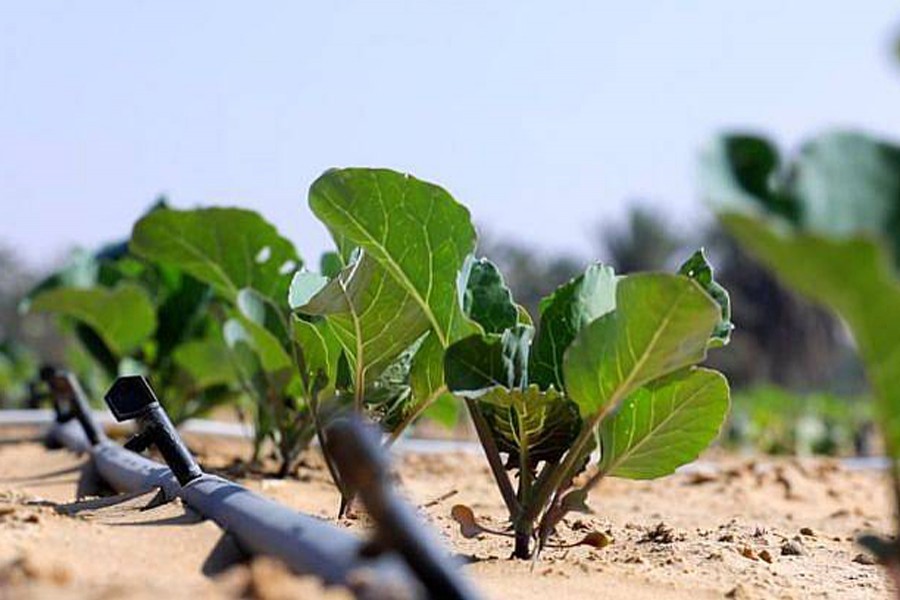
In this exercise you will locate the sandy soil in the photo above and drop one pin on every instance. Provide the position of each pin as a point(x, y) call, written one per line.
point(739, 529)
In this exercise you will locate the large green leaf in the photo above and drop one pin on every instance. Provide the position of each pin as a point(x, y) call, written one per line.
point(486, 299)
point(534, 424)
point(413, 229)
point(206, 361)
point(320, 351)
point(260, 357)
point(838, 248)
point(477, 363)
point(123, 317)
point(662, 323)
point(664, 425)
point(563, 314)
point(372, 316)
point(855, 278)
point(181, 309)
point(228, 248)
point(848, 184)
point(254, 323)
point(427, 382)
point(840, 184)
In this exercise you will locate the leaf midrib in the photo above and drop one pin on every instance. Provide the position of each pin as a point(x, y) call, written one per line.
point(394, 268)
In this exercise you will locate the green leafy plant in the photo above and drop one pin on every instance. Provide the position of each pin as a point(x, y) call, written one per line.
point(610, 368)
point(248, 267)
point(368, 333)
point(394, 305)
point(132, 316)
point(828, 225)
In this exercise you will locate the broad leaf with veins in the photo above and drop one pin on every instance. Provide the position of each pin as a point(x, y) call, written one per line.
point(374, 319)
point(563, 314)
point(662, 323)
point(540, 424)
point(413, 229)
point(228, 248)
point(123, 317)
point(206, 361)
point(664, 425)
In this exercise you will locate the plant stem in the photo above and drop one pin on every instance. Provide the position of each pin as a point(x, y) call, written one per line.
point(524, 528)
point(558, 477)
point(493, 457)
point(562, 475)
point(524, 532)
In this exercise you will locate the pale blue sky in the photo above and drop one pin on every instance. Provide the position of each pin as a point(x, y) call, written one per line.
point(543, 117)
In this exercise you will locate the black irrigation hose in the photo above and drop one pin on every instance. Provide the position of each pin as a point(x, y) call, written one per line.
point(257, 524)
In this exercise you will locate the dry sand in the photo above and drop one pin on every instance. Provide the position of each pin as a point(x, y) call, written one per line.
point(747, 529)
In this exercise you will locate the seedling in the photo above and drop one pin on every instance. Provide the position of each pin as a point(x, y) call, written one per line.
point(248, 266)
point(611, 368)
point(368, 334)
point(828, 226)
point(128, 316)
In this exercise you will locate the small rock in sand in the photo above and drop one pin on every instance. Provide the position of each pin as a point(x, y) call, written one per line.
point(807, 532)
point(747, 552)
point(864, 559)
point(737, 593)
point(766, 556)
point(661, 534)
point(792, 548)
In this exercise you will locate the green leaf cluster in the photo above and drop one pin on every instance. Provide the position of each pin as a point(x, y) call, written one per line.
point(247, 267)
point(610, 367)
point(828, 225)
point(368, 333)
point(132, 315)
point(394, 304)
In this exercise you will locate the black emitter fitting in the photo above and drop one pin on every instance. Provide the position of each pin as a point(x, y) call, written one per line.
point(131, 397)
point(70, 402)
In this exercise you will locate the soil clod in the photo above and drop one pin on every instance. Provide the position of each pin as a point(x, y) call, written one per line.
point(792, 548)
point(660, 534)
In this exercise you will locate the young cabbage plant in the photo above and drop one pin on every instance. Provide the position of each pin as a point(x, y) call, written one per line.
point(611, 370)
point(828, 225)
point(391, 305)
point(248, 265)
point(131, 316)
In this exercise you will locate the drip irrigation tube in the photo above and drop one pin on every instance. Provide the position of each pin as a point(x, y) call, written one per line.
point(257, 524)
